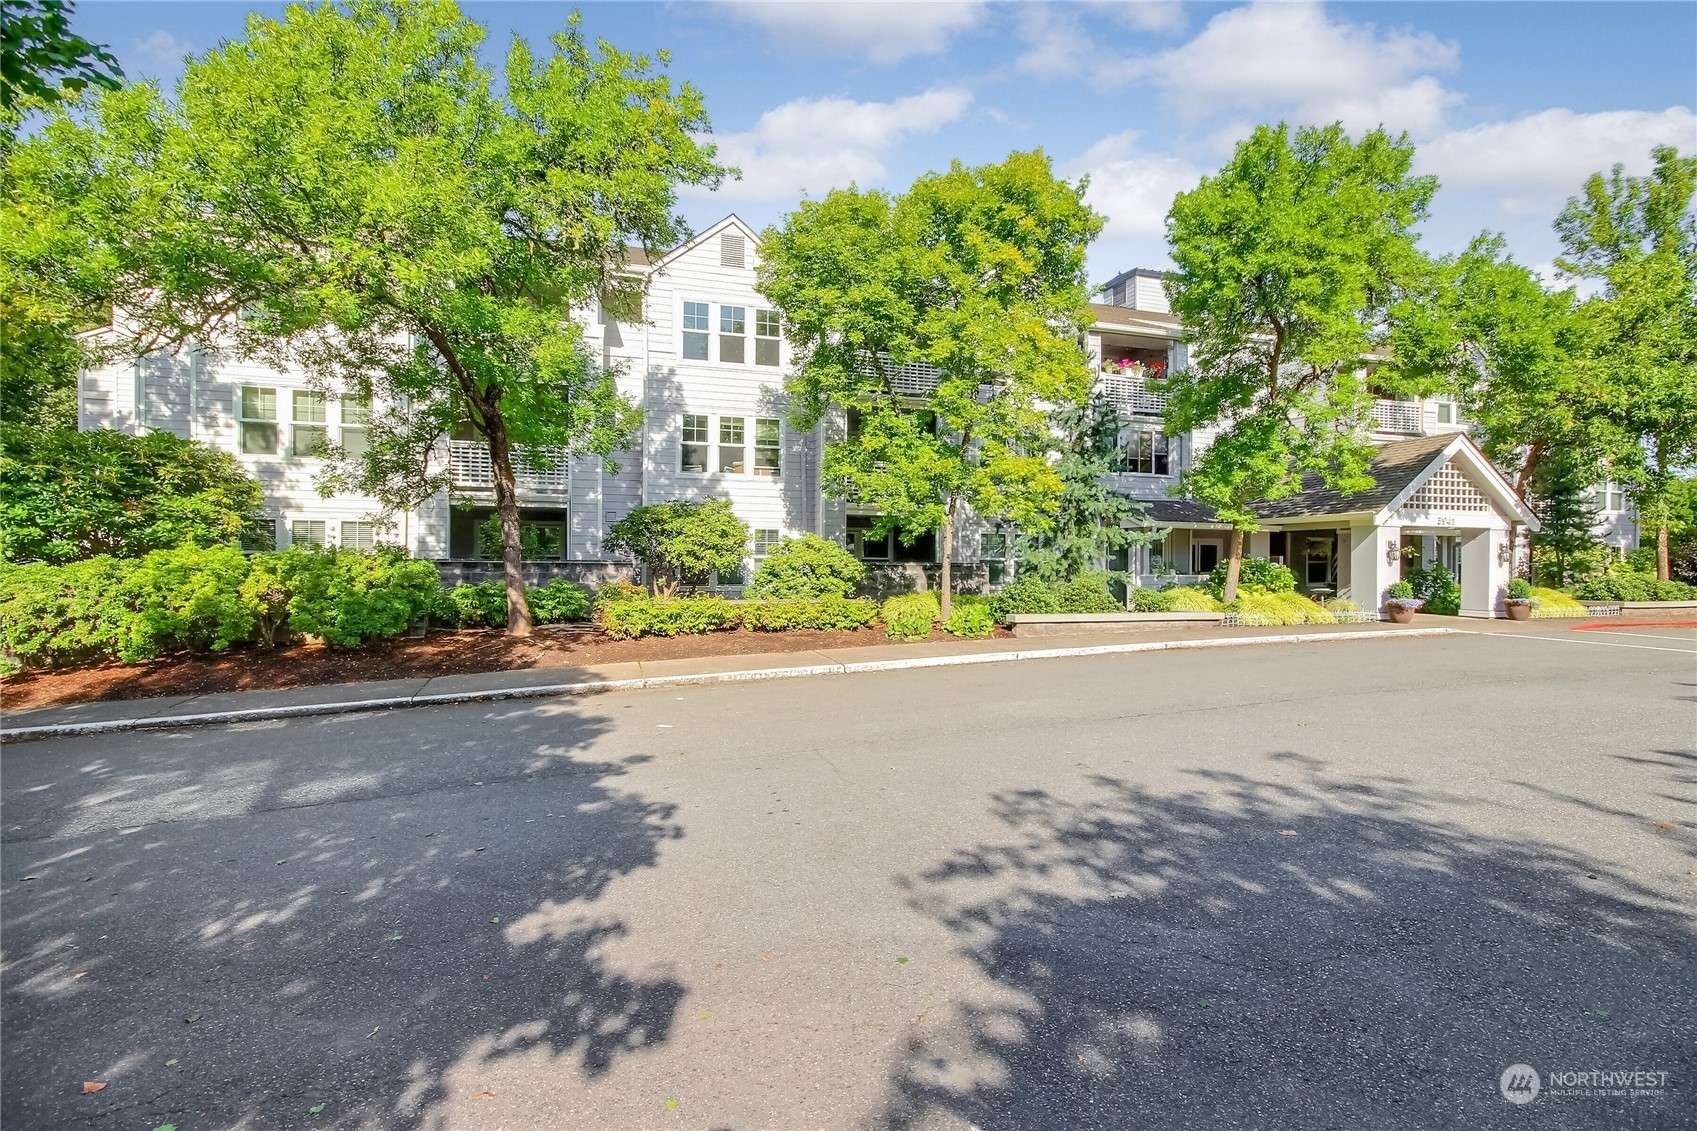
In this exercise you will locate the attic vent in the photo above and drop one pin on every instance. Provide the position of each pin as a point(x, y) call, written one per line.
point(730, 250)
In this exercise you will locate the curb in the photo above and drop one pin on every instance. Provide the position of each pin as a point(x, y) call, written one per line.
point(305, 710)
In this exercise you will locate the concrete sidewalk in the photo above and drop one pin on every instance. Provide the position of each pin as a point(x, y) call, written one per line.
point(337, 698)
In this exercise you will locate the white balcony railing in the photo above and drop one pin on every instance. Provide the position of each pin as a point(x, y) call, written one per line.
point(469, 466)
point(1133, 391)
point(1397, 416)
point(908, 379)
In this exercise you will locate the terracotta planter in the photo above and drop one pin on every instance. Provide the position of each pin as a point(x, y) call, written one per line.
point(1518, 610)
point(1400, 614)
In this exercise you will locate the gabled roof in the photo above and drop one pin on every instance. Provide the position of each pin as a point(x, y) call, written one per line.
point(701, 237)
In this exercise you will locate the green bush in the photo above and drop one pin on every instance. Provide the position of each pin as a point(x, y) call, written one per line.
point(1151, 600)
point(830, 613)
point(1024, 595)
point(1258, 575)
point(559, 600)
point(1089, 593)
point(1188, 599)
point(1264, 608)
point(667, 616)
point(1307, 611)
point(1632, 587)
point(187, 598)
point(475, 605)
point(619, 591)
point(51, 616)
point(1438, 588)
point(910, 616)
point(1519, 589)
point(1340, 605)
point(678, 540)
point(970, 619)
point(1401, 590)
point(809, 566)
point(347, 598)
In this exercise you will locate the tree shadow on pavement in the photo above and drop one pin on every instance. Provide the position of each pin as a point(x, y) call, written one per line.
point(1294, 953)
point(233, 927)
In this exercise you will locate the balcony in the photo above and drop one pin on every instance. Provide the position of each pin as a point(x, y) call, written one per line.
point(1401, 417)
point(909, 379)
point(469, 466)
point(1135, 391)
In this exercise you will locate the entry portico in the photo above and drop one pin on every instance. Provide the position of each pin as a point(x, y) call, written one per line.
point(1436, 500)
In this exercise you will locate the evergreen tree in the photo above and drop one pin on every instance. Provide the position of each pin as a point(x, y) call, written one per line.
point(1562, 497)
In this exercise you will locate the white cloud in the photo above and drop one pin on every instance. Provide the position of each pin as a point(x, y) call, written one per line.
point(818, 144)
point(1134, 190)
point(879, 32)
point(1539, 160)
point(1292, 58)
point(163, 50)
point(1065, 41)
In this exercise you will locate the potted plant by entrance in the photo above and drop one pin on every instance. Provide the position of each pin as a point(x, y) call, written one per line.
point(1400, 602)
point(1518, 604)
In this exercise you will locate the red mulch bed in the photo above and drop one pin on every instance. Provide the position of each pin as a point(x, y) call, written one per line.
point(440, 653)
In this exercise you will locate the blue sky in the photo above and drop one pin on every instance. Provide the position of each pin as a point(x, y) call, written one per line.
point(1510, 104)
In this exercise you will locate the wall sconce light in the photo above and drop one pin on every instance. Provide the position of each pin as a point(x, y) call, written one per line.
point(1504, 551)
point(1392, 549)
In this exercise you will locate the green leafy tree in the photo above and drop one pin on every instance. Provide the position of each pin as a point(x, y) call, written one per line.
point(65, 496)
point(1638, 237)
point(39, 363)
point(1092, 520)
point(351, 190)
point(41, 58)
point(1567, 516)
point(1289, 262)
point(976, 276)
point(680, 541)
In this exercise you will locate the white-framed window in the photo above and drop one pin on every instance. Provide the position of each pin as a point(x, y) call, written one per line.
point(696, 315)
point(359, 535)
point(694, 443)
point(733, 335)
point(768, 329)
point(765, 541)
point(257, 420)
point(307, 532)
point(1446, 411)
point(733, 445)
point(308, 432)
point(356, 414)
point(1615, 497)
point(1144, 451)
point(260, 534)
point(768, 446)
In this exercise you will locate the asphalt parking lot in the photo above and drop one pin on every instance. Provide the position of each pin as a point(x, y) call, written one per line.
point(1323, 885)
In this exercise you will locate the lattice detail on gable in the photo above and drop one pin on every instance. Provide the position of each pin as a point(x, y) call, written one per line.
point(1448, 490)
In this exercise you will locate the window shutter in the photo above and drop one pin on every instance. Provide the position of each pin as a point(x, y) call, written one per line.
point(730, 250)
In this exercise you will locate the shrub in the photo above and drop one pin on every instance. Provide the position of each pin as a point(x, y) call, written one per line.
point(1632, 587)
point(667, 616)
point(1258, 575)
point(1400, 591)
point(1307, 611)
point(1519, 589)
point(187, 598)
point(618, 591)
point(347, 598)
point(559, 600)
point(1340, 605)
point(1187, 599)
point(1438, 588)
point(1151, 600)
point(57, 615)
point(1554, 603)
point(829, 613)
point(1089, 593)
point(970, 619)
point(1264, 608)
point(910, 616)
point(809, 566)
point(679, 540)
point(479, 605)
point(1024, 595)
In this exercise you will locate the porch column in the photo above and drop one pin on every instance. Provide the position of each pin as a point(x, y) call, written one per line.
point(1484, 573)
point(1371, 567)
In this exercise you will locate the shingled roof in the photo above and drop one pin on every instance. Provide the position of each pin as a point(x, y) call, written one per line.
point(1394, 467)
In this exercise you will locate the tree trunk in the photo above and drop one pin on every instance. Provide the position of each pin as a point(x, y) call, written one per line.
point(1234, 566)
point(507, 505)
point(1534, 455)
point(1664, 572)
point(944, 584)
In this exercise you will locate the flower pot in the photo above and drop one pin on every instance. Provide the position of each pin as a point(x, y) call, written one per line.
point(1399, 614)
point(1518, 610)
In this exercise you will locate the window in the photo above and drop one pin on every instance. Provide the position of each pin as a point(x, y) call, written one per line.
point(307, 532)
point(359, 535)
point(1615, 498)
point(1446, 412)
point(731, 249)
point(258, 420)
point(695, 443)
point(695, 331)
point(1278, 546)
point(308, 436)
point(765, 541)
point(766, 344)
point(356, 414)
point(1204, 556)
point(1143, 451)
point(863, 543)
point(733, 325)
point(768, 451)
point(993, 552)
point(260, 534)
point(732, 454)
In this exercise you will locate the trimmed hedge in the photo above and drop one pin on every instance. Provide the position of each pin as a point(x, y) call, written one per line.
point(910, 616)
point(1086, 593)
point(1632, 587)
point(830, 613)
point(667, 616)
